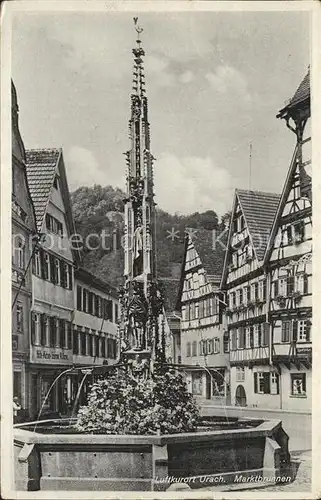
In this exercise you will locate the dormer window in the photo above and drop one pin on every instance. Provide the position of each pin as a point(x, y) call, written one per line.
point(56, 182)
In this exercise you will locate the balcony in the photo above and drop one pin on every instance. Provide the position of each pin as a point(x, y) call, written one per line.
point(249, 355)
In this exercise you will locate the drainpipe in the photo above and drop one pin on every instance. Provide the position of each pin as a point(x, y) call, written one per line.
point(267, 312)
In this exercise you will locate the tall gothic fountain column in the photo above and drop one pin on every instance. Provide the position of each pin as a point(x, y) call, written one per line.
point(142, 340)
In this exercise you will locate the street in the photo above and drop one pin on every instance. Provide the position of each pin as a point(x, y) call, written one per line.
point(296, 425)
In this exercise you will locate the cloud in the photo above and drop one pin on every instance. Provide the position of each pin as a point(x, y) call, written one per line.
point(158, 71)
point(191, 184)
point(83, 169)
point(186, 77)
point(227, 79)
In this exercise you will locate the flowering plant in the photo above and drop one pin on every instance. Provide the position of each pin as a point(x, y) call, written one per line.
point(122, 405)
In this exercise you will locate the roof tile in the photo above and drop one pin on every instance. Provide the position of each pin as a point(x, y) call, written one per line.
point(41, 168)
point(259, 210)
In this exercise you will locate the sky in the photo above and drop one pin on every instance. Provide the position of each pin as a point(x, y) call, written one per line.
point(215, 82)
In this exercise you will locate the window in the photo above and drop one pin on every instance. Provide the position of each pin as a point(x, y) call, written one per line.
point(240, 374)
point(262, 383)
point(35, 329)
point(241, 296)
point(79, 297)
point(289, 285)
point(57, 271)
point(43, 329)
point(226, 344)
point(202, 348)
point(233, 299)
point(53, 331)
point(282, 284)
point(56, 182)
point(108, 309)
point(84, 300)
point(69, 334)
point(188, 349)
point(241, 338)
point(46, 266)
point(201, 309)
point(274, 383)
point(303, 331)
point(216, 345)
point(54, 225)
point(298, 384)
point(247, 294)
point(61, 338)
point(37, 264)
point(276, 288)
point(99, 312)
point(298, 231)
point(97, 342)
point(289, 235)
point(286, 329)
point(210, 346)
point(83, 342)
point(90, 344)
point(194, 348)
point(233, 340)
point(266, 334)
point(103, 347)
point(75, 348)
point(19, 316)
point(90, 303)
point(262, 290)
point(21, 255)
point(255, 291)
point(256, 336)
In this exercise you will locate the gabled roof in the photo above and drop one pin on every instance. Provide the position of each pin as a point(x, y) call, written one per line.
point(41, 170)
point(211, 250)
point(300, 97)
point(259, 209)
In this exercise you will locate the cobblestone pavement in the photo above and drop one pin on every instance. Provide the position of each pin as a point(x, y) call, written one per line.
point(302, 481)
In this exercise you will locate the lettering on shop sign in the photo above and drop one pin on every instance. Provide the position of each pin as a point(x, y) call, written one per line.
point(51, 355)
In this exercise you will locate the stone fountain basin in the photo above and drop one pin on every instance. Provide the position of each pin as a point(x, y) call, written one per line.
point(66, 461)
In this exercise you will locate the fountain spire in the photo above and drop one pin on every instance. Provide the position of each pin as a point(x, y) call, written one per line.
point(141, 304)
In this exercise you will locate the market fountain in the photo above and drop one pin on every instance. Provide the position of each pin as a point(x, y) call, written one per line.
point(141, 429)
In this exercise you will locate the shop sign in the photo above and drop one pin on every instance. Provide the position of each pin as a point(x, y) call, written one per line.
point(47, 355)
point(304, 350)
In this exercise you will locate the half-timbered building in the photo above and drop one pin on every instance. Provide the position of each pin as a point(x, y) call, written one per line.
point(204, 347)
point(288, 259)
point(253, 381)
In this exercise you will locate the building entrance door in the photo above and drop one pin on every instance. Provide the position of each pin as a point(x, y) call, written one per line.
point(240, 396)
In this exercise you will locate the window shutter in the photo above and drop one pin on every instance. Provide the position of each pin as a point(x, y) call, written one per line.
point(43, 329)
point(52, 269)
point(255, 382)
point(308, 330)
point(294, 330)
point(62, 273)
point(70, 276)
point(305, 284)
point(33, 328)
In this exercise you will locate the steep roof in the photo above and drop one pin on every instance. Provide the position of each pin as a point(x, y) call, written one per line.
point(210, 251)
point(169, 288)
point(259, 209)
point(41, 170)
point(301, 95)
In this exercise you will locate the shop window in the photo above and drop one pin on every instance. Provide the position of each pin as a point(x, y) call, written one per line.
point(194, 348)
point(197, 383)
point(298, 384)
